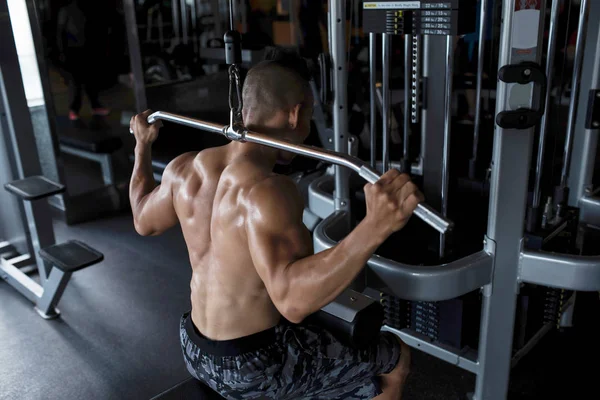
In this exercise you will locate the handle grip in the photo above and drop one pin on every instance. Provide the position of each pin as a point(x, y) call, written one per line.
point(423, 211)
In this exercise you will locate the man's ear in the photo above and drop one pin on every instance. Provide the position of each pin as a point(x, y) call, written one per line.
point(294, 116)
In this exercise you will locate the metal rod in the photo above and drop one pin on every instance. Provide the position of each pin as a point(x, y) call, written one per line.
point(423, 211)
point(386, 53)
point(175, 11)
point(194, 20)
point(416, 74)
point(552, 36)
point(340, 89)
point(135, 56)
point(480, 56)
point(447, 131)
point(407, 93)
point(373, 94)
point(232, 13)
point(581, 32)
point(184, 22)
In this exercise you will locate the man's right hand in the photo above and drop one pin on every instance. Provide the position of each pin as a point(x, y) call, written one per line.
point(391, 202)
point(145, 133)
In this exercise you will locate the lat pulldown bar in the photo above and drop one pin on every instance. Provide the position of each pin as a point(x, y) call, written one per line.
point(423, 211)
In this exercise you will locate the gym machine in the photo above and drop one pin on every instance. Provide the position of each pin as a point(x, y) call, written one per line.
point(28, 244)
point(497, 272)
point(504, 265)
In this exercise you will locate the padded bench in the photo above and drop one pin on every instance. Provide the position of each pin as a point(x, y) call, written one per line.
point(60, 261)
point(91, 144)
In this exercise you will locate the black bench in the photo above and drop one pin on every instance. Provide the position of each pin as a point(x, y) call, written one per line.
point(60, 260)
point(189, 389)
point(96, 143)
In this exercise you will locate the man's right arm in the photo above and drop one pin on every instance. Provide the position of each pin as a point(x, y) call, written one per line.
point(298, 281)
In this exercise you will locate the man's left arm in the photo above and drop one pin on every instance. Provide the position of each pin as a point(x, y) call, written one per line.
point(151, 204)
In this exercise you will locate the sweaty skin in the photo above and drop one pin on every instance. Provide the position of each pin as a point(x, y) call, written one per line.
point(251, 255)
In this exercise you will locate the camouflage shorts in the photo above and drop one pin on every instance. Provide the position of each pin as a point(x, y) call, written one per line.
point(288, 362)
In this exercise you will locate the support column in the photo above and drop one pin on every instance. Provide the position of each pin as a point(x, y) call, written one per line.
point(508, 195)
point(18, 133)
point(337, 17)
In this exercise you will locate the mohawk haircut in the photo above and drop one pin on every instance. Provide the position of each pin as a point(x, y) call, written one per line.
point(279, 82)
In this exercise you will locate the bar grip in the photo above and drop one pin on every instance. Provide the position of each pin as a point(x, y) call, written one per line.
point(430, 216)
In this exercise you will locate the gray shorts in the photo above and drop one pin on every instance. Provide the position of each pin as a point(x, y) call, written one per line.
point(288, 362)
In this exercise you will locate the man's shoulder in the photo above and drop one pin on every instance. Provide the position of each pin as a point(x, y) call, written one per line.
point(274, 190)
point(179, 165)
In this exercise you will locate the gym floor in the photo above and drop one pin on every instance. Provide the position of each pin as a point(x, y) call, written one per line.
point(117, 337)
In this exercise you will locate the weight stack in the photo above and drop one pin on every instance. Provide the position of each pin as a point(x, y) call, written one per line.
point(554, 302)
point(396, 311)
point(425, 318)
point(445, 321)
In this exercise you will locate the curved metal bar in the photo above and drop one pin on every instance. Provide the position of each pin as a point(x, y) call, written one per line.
point(563, 271)
point(412, 282)
point(423, 211)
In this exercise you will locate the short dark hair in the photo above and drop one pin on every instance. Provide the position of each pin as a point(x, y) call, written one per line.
point(279, 82)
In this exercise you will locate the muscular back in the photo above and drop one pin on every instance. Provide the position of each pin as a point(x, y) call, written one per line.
point(210, 197)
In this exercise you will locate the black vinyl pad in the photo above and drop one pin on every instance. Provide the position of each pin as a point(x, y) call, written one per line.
point(95, 142)
point(34, 188)
point(71, 256)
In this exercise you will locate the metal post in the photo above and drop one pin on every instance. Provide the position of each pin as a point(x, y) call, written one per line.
point(17, 134)
point(232, 14)
point(551, 53)
point(508, 195)
point(407, 105)
point(41, 235)
point(53, 291)
point(373, 94)
point(42, 115)
point(216, 12)
point(447, 132)
point(340, 114)
point(175, 12)
point(184, 22)
point(433, 121)
point(575, 83)
point(135, 55)
point(194, 20)
point(479, 77)
point(386, 103)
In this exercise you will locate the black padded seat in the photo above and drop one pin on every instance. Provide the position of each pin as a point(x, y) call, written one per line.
point(34, 188)
point(71, 256)
point(94, 137)
point(92, 141)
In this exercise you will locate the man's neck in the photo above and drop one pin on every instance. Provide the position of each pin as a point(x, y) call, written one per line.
point(262, 156)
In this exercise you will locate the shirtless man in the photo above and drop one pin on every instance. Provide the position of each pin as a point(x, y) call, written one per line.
point(255, 277)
